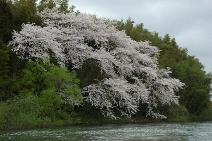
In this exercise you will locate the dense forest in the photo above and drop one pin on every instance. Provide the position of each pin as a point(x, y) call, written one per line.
point(61, 67)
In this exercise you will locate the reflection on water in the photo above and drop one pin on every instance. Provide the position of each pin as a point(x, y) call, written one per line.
point(132, 132)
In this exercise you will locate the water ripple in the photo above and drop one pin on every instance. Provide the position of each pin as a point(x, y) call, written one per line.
point(130, 132)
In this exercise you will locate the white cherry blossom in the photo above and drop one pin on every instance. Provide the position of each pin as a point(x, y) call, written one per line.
point(133, 76)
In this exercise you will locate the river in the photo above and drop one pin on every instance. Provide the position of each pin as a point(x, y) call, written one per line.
point(129, 132)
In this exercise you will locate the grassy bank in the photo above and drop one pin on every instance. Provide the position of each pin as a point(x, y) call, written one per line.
point(11, 121)
point(7, 122)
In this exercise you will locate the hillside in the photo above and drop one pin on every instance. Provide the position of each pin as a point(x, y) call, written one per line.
point(60, 67)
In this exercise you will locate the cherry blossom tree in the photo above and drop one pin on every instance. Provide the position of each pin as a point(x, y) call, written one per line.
point(130, 68)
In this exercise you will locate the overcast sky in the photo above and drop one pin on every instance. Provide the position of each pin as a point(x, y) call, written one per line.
point(189, 21)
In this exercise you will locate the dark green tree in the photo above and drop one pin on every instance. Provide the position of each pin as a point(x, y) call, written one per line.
point(12, 16)
point(6, 21)
point(46, 4)
point(129, 26)
point(4, 71)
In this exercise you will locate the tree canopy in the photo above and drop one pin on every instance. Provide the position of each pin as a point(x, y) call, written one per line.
point(131, 73)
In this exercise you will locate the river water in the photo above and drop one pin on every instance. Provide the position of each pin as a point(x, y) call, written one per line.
point(129, 132)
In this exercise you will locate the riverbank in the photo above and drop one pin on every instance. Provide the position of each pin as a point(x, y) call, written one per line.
point(61, 123)
point(94, 122)
point(179, 116)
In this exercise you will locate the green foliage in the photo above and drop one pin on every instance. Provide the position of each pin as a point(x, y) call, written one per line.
point(90, 73)
point(198, 100)
point(45, 78)
point(6, 20)
point(28, 110)
point(4, 71)
point(206, 115)
point(37, 92)
point(46, 4)
point(51, 104)
point(63, 6)
point(60, 79)
point(25, 11)
point(46, 93)
point(24, 110)
point(195, 96)
point(12, 16)
point(177, 113)
point(4, 110)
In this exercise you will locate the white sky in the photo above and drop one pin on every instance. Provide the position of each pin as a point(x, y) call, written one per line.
point(189, 21)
